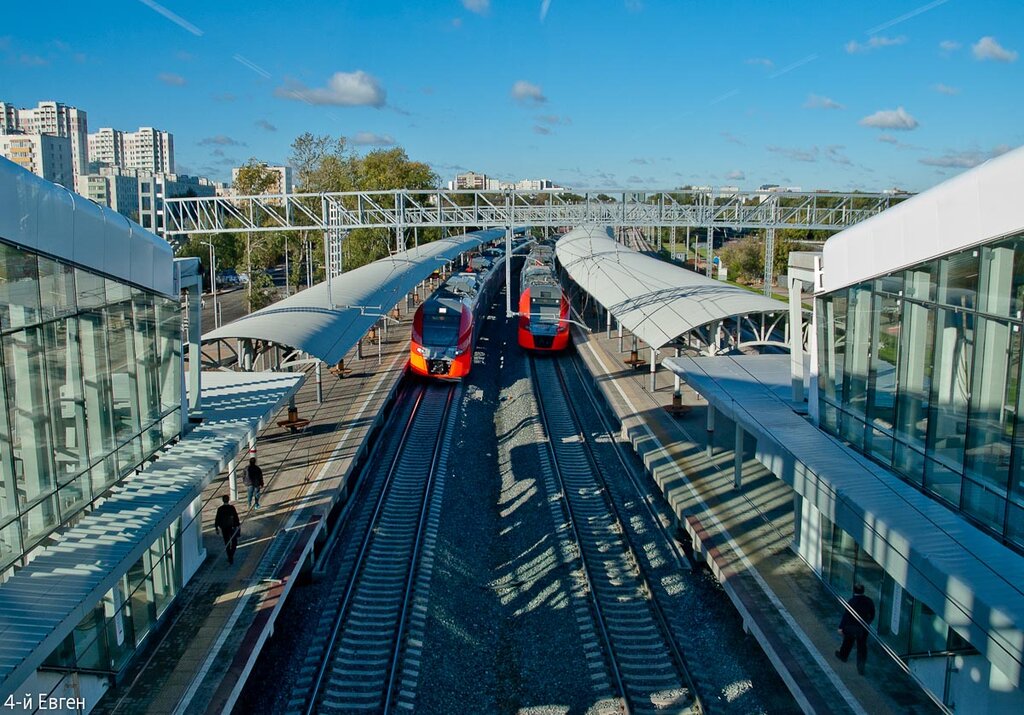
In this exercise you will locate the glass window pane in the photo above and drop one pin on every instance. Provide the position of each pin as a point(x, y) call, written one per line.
point(123, 376)
point(1015, 524)
point(117, 292)
point(1002, 278)
point(10, 543)
point(39, 521)
point(958, 280)
point(129, 456)
point(8, 483)
point(66, 402)
point(72, 497)
point(90, 289)
point(145, 333)
point(25, 373)
point(919, 282)
point(169, 349)
point(103, 474)
point(929, 631)
point(884, 358)
point(951, 388)
point(141, 598)
point(858, 351)
point(19, 288)
point(997, 357)
point(909, 462)
point(915, 372)
point(985, 505)
point(56, 288)
point(96, 379)
point(832, 344)
point(943, 482)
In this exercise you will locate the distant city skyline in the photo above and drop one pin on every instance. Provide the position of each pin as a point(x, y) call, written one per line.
point(648, 94)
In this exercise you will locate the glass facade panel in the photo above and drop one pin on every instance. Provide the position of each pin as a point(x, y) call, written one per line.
point(91, 387)
point(56, 289)
point(19, 288)
point(921, 371)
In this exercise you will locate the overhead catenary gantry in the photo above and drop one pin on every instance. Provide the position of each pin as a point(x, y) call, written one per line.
point(337, 213)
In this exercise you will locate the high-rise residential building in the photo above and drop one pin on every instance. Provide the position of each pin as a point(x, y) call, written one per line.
point(50, 157)
point(106, 148)
point(147, 149)
point(54, 119)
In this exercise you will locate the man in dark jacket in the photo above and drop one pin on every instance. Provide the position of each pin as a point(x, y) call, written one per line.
point(853, 629)
point(254, 480)
point(227, 524)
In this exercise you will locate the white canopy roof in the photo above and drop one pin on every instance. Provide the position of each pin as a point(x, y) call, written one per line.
point(657, 301)
point(307, 322)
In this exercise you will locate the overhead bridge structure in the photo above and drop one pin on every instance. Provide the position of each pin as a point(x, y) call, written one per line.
point(458, 210)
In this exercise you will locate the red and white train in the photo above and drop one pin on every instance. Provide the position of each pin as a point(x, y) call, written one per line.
point(446, 326)
point(543, 306)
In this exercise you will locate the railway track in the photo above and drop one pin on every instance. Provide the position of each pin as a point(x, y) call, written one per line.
point(363, 643)
point(647, 671)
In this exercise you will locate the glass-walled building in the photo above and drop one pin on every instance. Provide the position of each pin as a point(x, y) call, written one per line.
point(919, 315)
point(92, 387)
point(920, 369)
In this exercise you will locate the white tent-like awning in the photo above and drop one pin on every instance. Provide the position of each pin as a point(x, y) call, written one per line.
point(308, 322)
point(655, 300)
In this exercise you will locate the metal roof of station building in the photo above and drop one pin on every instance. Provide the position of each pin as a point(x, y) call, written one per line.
point(307, 321)
point(44, 601)
point(656, 300)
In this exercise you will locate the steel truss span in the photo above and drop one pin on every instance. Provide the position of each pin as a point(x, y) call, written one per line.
point(402, 209)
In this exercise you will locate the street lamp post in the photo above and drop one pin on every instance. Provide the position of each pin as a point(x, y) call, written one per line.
point(213, 282)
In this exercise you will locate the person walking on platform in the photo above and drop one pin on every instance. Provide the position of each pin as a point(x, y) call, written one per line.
point(226, 522)
point(854, 629)
point(254, 480)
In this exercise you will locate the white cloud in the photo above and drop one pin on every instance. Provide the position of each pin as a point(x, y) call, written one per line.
point(545, 5)
point(949, 45)
point(373, 139)
point(528, 93)
point(477, 6)
point(175, 80)
point(987, 48)
point(736, 175)
point(873, 43)
point(888, 139)
point(538, 129)
point(343, 89)
point(553, 119)
point(634, 5)
point(817, 101)
point(964, 159)
point(265, 125)
point(890, 119)
point(762, 62)
point(946, 89)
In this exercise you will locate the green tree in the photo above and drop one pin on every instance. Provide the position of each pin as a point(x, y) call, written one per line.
point(254, 178)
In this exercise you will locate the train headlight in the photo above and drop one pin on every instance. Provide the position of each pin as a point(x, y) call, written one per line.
point(459, 351)
point(421, 350)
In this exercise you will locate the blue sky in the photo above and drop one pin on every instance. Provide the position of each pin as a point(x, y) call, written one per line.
point(589, 93)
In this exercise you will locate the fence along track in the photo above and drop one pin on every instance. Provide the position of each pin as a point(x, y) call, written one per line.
point(647, 667)
point(363, 648)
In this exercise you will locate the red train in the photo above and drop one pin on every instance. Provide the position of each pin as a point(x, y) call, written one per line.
point(445, 327)
point(543, 307)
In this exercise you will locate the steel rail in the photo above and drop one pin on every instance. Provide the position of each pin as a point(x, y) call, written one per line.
point(361, 560)
point(680, 559)
point(602, 626)
point(424, 514)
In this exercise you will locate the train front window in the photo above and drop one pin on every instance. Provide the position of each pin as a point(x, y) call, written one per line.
point(544, 309)
point(441, 330)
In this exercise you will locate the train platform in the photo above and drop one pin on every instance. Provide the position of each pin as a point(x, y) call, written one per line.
point(200, 659)
point(745, 534)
